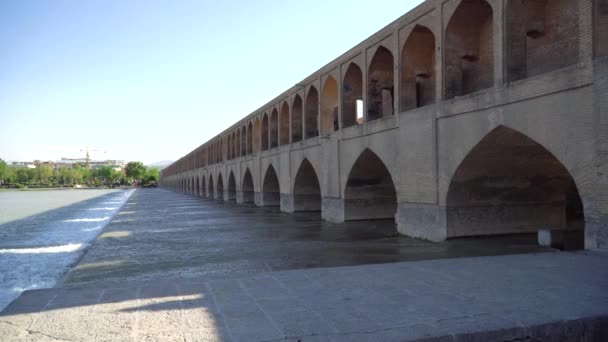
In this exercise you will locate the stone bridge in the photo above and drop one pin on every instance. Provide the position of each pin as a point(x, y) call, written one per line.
point(461, 118)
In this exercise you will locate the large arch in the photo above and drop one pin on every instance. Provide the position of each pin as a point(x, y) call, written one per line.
point(231, 195)
point(542, 36)
point(250, 137)
point(418, 69)
point(198, 186)
point(220, 186)
point(370, 192)
point(271, 194)
point(247, 187)
point(265, 132)
point(329, 107)
point(211, 191)
point(284, 124)
point(306, 189)
point(469, 52)
point(352, 92)
point(296, 119)
point(381, 85)
point(311, 113)
point(508, 184)
point(274, 128)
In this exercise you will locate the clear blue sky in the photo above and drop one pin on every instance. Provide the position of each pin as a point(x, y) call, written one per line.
point(151, 80)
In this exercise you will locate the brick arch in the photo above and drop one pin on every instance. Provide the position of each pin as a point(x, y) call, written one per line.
point(381, 84)
point(284, 124)
point(297, 117)
point(204, 186)
point(231, 194)
point(509, 183)
point(352, 91)
point(271, 186)
point(306, 188)
point(211, 187)
point(329, 106)
point(542, 36)
point(248, 187)
point(220, 186)
point(311, 113)
point(265, 132)
point(370, 191)
point(469, 49)
point(417, 73)
point(274, 128)
point(384, 155)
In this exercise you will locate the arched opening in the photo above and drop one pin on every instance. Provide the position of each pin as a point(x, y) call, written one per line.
point(250, 137)
point(469, 54)
point(247, 187)
point(198, 187)
point(352, 92)
point(271, 194)
point(542, 36)
point(296, 119)
point(370, 192)
point(329, 107)
point(211, 192)
point(229, 146)
point(204, 188)
point(220, 187)
point(274, 128)
point(600, 28)
point(509, 184)
point(257, 136)
point(418, 69)
point(231, 195)
point(265, 132)
point(312, 112)
point(284, 122)
point(380, 85)
point(220, 150)
point(237, 148)
point(306, 189)
point(243, 143)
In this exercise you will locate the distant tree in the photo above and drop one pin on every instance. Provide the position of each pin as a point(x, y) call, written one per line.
point(43, 173)
point(3, 171)
point(135, 171)
point(151, 176)
point(22, 175)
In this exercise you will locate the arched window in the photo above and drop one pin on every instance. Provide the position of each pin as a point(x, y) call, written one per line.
point(380, 85)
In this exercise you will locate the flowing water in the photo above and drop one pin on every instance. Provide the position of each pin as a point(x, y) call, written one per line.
point(43, 233)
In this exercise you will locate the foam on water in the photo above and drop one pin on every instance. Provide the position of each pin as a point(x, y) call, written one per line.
point(37, 251)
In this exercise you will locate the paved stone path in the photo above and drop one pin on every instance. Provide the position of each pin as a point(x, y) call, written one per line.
point(118, 292)
point(483, 299)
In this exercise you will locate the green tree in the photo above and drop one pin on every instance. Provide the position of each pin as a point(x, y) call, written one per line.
point(151, 176)
point(43, 173)
point(22, 175)
point(3, 171)
point(135, 171)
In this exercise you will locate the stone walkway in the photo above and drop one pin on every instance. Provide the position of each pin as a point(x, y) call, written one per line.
point(171, 267)
point(550, 295)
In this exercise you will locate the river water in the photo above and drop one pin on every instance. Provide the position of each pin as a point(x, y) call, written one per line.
point(43, 233)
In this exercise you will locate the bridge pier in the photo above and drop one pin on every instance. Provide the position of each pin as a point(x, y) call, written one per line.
point(423, 221)
point(333, 209)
